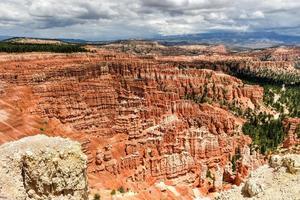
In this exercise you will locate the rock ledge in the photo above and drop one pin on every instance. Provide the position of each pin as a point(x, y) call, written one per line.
point(41, 167)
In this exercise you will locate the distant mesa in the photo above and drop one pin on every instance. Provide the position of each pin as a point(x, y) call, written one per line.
point(25, 40)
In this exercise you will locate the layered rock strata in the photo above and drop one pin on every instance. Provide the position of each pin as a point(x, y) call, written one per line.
point(277, 64)
point(292, 128)
point(137, 119)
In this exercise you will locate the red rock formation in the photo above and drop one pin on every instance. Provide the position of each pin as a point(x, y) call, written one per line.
point(271, 63)
point(132, 115)
point(292, 128)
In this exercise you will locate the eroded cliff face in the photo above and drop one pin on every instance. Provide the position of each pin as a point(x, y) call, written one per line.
point(137, 119)
point(40, 167)
point(275, 64)
point(292, 127)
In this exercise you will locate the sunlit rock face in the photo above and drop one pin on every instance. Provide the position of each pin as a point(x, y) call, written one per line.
point(139, 120)
point(41, 167)
point(292, 127)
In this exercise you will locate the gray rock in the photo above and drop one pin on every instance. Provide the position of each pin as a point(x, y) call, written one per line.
point(292, 163)
point(41, 167)
point(275, 161)
point(252, 188)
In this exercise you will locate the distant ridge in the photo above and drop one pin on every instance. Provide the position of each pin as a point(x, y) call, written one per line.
point(29, 40)
point(63, 40)
point(241, 39)
point(235, 39)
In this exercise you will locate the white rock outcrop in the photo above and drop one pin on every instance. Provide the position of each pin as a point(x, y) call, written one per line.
point(275, 161)
point(252, 188)
point(41, 167)
point(280, 180)
point(290, 161)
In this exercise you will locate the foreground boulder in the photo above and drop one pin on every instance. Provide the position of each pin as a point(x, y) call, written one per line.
point(41, 167)
point(252, 188)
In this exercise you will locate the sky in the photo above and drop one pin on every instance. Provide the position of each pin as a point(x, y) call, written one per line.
point(123, 19)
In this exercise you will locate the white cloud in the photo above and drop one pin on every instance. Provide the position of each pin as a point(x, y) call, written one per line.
point(254, 15)
point(105, 19)
point(258, 15)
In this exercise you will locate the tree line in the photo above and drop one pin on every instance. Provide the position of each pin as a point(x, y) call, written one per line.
point(55, 48)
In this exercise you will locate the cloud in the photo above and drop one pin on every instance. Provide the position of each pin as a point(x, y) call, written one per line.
point(254, 15)
point(114, 19)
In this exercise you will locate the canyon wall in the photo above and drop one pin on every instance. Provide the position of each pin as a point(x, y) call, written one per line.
point(279, 65)
point(138, 120)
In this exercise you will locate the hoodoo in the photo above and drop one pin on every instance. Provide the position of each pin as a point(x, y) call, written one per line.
point(151, 127)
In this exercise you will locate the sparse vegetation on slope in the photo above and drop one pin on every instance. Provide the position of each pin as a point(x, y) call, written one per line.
point(245, 70)
point(267, 130)
point(267, 133)
point(285, 100)
point(267, 75)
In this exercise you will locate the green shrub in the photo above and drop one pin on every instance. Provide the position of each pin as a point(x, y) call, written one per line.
point(298, 131)
point(208, 174)
point(235, 158)
point(121, 190)
point(113, 192)
point(97, 197)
